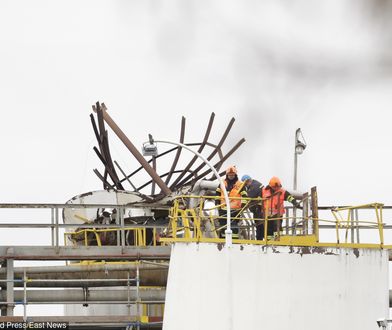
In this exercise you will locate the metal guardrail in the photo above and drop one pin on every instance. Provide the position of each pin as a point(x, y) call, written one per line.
point(200, 224)
point(120, 228)
point(187, 224)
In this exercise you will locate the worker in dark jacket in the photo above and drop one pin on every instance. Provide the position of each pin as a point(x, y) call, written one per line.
point(274, 197)
point(234, 188)
point(254, 189)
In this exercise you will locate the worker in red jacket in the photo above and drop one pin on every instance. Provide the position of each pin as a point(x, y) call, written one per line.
point(274, 197)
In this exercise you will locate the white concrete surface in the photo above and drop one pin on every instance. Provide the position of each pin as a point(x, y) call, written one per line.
point(253, 287)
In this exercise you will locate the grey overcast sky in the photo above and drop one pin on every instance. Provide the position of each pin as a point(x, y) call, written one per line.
point(275, 65)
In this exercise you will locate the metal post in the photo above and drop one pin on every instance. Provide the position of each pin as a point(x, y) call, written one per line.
point(314, 206)
point(295, 168)
point(57, 228)
point(24, 296)
point(295, 180)
point(138, 296)
point(118, 222)
point(129, 295)
point(228, 231)
point(121, 209)
point(305, 213)
point(357, 223)
point(52, 222)
point(352, 226)
point(10, 287)
point(299, 147)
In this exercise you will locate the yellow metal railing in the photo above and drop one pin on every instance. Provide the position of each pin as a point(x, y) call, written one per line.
point(93, 236)
point(199, 224)
point(191, 223)
point(347, 222)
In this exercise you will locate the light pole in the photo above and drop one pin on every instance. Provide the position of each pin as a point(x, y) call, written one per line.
point(150, 149)
point(299, 148)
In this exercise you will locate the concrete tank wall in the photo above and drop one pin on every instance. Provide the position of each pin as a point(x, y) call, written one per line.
point(275, 288)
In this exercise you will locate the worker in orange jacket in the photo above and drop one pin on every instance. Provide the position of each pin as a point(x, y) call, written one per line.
point(234, 188)
point(274, 197)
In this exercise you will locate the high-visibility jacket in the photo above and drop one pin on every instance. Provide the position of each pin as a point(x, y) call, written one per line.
point(236, 191)
point(273, 202)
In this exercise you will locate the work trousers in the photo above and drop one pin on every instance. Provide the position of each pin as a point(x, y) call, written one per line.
point(273, 224)
point(223, 222)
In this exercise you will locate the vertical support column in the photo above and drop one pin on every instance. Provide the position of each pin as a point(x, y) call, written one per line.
point(118, 222)
point(24, 296)
point(294, 221)
point(352, 232)
point(52, 223)
point(10, 287)
point(57, 229)
point(139, 318)
point(129, 294)
point(122, 227)
point(287, 226)
point(313, 193)
point(357, 224)
point(305, 213)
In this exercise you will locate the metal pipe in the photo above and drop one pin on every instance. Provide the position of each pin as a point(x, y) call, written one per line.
point(60, 276)
point(86, 253)
point(93, 302)
point(77, 295)
point(228, 231)
point(133, 150)
point(86, 268)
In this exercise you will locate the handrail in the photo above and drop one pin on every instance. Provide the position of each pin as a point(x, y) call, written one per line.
point(293, 227)
point(186, 224)
point(139, 235)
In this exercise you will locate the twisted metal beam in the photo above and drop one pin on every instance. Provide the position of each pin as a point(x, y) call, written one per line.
point(201, 147)
point(213, 153)
point(123, 173)
point(162, 176)
point(219, 163)
point(158, 156)
point(165, 189)
point(178, 153)
point(104, 154)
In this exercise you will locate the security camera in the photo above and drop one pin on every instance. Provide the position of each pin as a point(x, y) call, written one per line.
point(382, 323)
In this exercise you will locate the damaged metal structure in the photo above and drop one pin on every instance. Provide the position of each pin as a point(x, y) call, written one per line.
point(131, 248)
point(171, 181)
point(111, 238)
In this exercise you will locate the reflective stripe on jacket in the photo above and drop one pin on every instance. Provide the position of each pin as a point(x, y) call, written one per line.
point(236, 191)
point(273, 202)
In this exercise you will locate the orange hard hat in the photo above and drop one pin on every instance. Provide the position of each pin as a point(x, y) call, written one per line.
point(275, 182)
point(231, 169)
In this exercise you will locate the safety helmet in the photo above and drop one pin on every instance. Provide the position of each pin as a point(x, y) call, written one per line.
point(246, 177)
point(275, 182)
point(231, 169)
